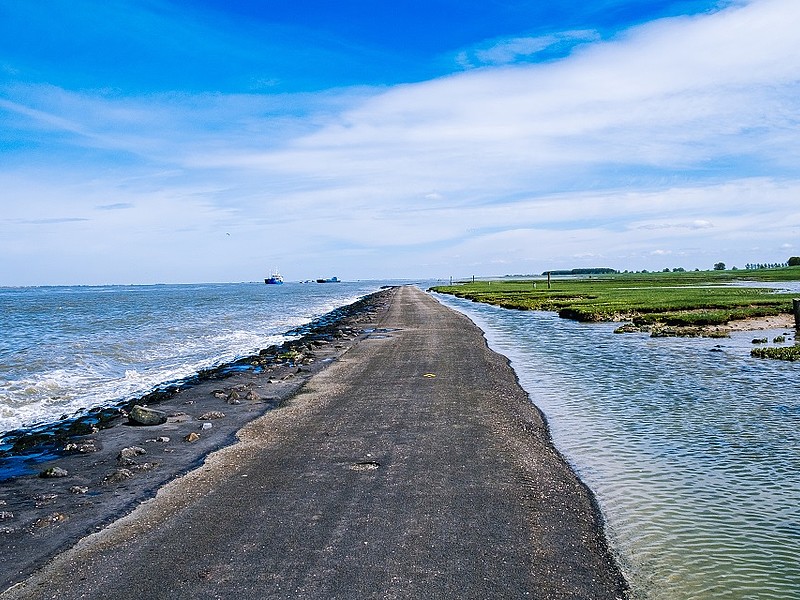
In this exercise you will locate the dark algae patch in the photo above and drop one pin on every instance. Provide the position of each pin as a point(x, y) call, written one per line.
point(790, 353)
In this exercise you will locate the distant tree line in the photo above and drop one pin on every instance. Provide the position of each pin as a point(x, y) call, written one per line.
point(597, 271)
point(755, 266)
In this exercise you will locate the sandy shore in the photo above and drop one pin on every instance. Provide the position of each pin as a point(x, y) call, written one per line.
point(413, 466)
point(756, 324)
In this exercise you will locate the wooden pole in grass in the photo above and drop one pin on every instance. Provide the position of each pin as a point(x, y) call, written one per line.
point(796, 310)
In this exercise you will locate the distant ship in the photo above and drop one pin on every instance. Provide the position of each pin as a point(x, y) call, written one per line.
point(274, 279)
point(331, 280)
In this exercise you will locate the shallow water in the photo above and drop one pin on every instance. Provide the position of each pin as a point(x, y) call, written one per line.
point(66, 349)
point(691, 447)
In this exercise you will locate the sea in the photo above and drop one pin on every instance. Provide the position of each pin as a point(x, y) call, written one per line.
point(691, 447)
point(64, 350)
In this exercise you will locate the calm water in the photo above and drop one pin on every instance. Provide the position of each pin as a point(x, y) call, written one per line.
point(65, 349)
point(691, 447)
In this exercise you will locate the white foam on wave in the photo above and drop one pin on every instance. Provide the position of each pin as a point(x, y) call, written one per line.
point(61, 392)
point(107, 351)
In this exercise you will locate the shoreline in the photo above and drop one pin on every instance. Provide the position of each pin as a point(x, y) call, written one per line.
point(40, 517)
point(60, 530)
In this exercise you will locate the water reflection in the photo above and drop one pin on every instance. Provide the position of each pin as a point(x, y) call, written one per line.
point(691, 447)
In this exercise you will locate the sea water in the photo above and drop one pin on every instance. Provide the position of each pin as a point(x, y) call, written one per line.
point(66, 349)
point(691, 447)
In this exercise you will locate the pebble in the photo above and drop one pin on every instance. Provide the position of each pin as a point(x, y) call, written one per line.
point(192, 437)
point(118, 475)
point(126, 455)
point(46, 521)
point(214, 414)
point(79, 489)
point(206, 426)
point(84, 447)
point(53, 472)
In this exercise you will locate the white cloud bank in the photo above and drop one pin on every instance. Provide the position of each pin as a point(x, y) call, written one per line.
point(676, 141)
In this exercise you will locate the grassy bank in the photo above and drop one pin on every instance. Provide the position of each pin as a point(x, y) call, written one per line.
point(691, 302)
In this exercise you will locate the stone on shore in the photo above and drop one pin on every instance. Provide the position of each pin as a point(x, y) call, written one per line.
point(126, 455)
point(54, 472)
point(213, 414)
point(142, 415)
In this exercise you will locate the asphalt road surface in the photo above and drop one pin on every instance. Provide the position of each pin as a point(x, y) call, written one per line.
point(413, 467)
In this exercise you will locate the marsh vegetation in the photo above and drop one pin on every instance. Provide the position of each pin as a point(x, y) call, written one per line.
point(665, 303)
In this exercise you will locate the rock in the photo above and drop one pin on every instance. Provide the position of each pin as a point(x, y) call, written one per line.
point(51, 520)
point(126, 455)
point(118, 475)
point(192, 437)
point(83, 447)
point(79, 489)
point(234, 395)
point(219, 394)
point(45, 499)
point(143, 467)
point(53, 472)
point(214, 414)
point(206, 426)
point(251, 395)
point(163, 439)
point(141, 415)
point(4, 514)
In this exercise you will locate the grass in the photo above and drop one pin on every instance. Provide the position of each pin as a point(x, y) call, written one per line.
point(650, 301)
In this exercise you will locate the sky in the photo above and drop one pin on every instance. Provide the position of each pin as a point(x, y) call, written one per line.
point(157, 141)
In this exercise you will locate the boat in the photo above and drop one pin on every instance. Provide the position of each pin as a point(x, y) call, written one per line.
point(274, 279)
point(331, 280)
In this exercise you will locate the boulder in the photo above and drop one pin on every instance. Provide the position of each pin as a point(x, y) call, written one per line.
point(142, 415)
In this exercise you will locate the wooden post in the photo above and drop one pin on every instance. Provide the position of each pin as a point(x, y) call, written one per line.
point(796, 310)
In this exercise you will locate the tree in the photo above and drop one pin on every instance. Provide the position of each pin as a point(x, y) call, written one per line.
point(720, 266)
point(794, 261)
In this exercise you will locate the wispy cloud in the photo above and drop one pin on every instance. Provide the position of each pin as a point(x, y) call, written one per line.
point(521, 49)
point(116, 206)
point(52, 220)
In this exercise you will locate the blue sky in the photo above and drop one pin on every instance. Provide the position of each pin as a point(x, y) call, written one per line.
point(154, 141)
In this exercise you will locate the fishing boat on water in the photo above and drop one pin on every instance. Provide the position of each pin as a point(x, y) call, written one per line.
point(274, 279)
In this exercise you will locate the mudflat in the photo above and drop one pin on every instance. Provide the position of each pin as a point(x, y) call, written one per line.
point(414, 466)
